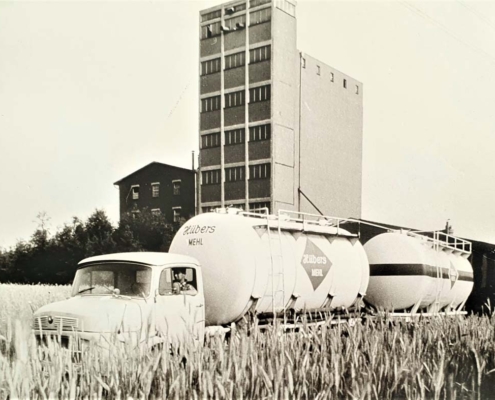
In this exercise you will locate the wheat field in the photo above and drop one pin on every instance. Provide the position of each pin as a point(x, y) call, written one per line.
point(437, 358)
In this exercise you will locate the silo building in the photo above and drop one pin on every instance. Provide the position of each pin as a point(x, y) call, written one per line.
point(277, 128)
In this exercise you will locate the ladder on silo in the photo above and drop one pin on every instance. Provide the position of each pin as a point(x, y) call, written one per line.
point(277, 272)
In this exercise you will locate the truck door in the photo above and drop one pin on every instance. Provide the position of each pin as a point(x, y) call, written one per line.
point(180, 305)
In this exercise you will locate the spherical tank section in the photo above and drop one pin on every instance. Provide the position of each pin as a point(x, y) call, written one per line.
point(415, 272)
point(248, 266)
point(224, 248)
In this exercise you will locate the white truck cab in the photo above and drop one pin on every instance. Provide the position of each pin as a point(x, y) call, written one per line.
point(142, 298)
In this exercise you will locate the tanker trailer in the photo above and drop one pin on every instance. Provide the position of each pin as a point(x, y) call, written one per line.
point(269, 265)
point(412, 272)
point(262, 264)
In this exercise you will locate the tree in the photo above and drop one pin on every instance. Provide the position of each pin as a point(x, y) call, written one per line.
point(145, 231)
point(99, 234)
point(53, 258)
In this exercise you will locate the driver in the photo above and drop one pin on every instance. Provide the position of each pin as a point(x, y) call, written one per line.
point(180, 284)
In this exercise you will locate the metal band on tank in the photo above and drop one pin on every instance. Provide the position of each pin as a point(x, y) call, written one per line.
point(465, 276)
point(416, 270)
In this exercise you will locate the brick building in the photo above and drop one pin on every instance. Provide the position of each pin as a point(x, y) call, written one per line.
point(162, 188)
point(277, 128)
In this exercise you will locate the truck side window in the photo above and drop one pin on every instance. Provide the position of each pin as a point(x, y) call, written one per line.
point(178, 280)
point(165, 286)
point(184, 279)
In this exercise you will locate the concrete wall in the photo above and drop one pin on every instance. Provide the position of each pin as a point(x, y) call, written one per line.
point(210, 156)
point(284, 110)
point(210, 83)
point(210, 193)
point(234, 77)
point(209, 120)
point(234, 153)
point(331, 140)
point(259, 150)
point(260, 71)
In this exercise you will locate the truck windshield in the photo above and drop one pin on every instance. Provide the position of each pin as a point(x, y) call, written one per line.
point(103, 279)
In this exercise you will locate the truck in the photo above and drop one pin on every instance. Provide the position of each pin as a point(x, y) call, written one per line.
point(231, 266)
point(222, 267)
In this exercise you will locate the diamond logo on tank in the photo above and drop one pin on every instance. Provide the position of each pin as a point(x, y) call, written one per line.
point(453, 275)
point(315, 263)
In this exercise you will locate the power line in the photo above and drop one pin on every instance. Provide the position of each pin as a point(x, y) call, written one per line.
point(433, 21)
point(178, 101)
point(477, 14)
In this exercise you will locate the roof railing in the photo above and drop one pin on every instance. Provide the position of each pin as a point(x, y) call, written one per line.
point(439, 239)
point(443, 240)
point(309, 221)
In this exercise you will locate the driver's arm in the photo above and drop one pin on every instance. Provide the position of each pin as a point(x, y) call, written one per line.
point(189, 289)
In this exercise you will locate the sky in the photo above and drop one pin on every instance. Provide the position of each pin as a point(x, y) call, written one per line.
point(92, 91)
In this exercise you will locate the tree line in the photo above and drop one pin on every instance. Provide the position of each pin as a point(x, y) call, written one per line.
point(52, 258)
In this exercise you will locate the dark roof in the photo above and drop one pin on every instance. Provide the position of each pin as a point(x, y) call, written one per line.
point(483, 246)
point(149, 165)
point(388, 225)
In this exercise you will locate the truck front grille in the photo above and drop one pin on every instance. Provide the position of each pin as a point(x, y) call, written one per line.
point(48, 323)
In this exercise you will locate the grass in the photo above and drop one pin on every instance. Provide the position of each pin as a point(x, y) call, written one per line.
point(437, 358)
point(17, 302)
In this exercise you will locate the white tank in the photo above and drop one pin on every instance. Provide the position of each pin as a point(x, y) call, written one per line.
point(411, 271)
point(305, 266)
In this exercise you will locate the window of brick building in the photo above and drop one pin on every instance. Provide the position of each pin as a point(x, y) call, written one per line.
point(210, 104)
point(176, 211)
point(135, 192)
point(260, 132)
point(261, 93)
point(234, 174)
point(259, 207)
point(235, 136)
point(259, 171)
point(260, 54)
point(155, 211)
point(256, 3)
point(260, 16)
point(211, 15)
point(235, 23)
point(238, 205)
point(210, 140)
point(235, 60)
point(210, 177)
point(233, 9)
point(210, 66)
point(176, 185)
point(210, 30)
point(234, 99)
point(155, 189)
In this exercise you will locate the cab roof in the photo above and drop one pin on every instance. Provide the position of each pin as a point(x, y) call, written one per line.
point(146, 258)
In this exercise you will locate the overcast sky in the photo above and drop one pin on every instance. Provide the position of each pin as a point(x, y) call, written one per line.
point(92, 91)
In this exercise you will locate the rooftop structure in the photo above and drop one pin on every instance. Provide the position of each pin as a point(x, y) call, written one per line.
point(278, 128)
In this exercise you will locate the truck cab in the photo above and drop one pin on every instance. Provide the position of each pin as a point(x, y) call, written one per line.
point(138, 298)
